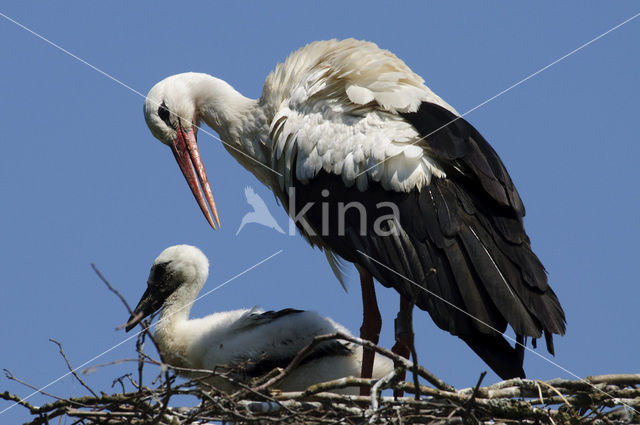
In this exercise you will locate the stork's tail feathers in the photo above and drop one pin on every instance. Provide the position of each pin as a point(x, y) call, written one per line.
point(501, 357)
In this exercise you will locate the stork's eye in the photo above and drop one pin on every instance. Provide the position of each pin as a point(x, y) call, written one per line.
point(164, 114)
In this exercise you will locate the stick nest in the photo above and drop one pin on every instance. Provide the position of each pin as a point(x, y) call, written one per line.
point(604, 399)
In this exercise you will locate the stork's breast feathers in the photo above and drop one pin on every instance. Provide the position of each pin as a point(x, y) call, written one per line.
point(355, 142)
point(337, 107)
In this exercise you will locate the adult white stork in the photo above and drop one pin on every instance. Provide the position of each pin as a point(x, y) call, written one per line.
point(243, 343)
point(344, 127)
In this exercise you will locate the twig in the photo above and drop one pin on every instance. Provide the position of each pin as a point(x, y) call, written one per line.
point(89, 370)
point(377, 388)
point(139, 347)
point(337, 384)
point(12, 377)
point(111, 288)
point(469, 404)
point(615, 379)
point(72, 370)
point(475, 389)
point(15, 398)
point(119, 380)
point(431, 378)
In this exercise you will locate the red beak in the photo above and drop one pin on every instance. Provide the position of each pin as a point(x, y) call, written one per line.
point(185, 149)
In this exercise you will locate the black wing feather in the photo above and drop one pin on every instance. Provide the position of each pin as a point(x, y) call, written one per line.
point(266, 362)
point(503, 359)
point(258, 318)
point(465, 152)
point(461, 238)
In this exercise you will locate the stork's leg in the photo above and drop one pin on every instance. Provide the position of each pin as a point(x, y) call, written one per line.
point(371, 324)
point(403, 334)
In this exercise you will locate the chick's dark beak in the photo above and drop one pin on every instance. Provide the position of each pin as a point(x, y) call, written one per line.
point(150, 302)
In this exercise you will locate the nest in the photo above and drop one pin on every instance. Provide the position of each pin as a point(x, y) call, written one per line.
point(604, 399)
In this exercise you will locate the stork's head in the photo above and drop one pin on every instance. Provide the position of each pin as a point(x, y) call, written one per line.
point(179, 272)
point(170, 111)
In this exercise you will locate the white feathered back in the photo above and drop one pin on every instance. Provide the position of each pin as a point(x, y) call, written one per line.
point(363, 71)
point(335, 108)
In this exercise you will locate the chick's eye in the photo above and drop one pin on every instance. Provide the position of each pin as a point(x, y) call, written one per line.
point(164, 114)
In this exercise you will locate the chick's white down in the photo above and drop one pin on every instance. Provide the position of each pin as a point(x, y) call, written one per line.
point(245, 342)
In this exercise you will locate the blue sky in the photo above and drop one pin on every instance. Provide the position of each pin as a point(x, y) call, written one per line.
point(82, 180)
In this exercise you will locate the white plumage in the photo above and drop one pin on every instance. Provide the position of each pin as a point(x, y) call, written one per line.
point(247, 342)
point(336, 102)
point(339, 110)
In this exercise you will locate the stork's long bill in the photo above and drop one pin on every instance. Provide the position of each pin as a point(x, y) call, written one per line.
point(185, 149)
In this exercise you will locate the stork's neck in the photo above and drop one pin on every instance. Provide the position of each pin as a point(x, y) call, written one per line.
point(240, 121)
point(170, 330)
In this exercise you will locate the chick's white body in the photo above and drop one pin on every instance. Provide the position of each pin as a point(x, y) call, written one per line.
point(248, 342)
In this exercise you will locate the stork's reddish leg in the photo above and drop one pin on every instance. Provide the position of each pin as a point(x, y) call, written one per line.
point(371, 324)
point(403, 334)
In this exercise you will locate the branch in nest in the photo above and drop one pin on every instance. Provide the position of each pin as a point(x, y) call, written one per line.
point(430, 377)
point(518, 400)
point(72, 370)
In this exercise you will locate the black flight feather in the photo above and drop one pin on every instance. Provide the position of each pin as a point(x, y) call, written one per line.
point(467, 227)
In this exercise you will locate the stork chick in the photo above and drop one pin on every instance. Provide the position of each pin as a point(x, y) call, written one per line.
point(246, 343)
